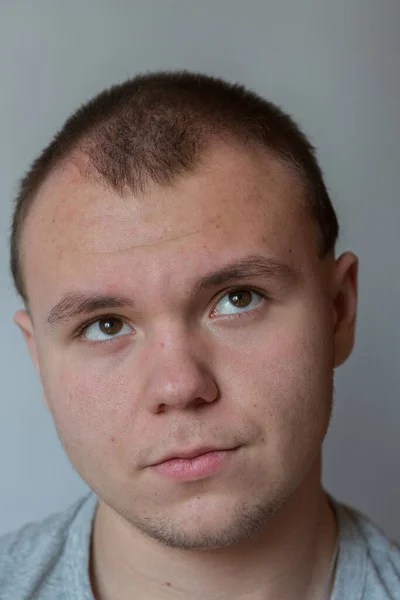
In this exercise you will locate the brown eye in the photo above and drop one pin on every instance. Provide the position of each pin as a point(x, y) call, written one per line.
point(105, 329)
point(241, 298)
point(110, 326)
point(238, 301)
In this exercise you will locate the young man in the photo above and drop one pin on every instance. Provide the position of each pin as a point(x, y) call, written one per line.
point(175, 250)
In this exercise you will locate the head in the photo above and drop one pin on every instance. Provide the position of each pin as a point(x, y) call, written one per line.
point(175, 249)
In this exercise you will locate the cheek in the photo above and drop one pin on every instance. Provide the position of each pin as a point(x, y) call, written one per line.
point(87, 407)
point(287, 375)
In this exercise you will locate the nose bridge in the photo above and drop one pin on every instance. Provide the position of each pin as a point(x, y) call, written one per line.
point(177, 370)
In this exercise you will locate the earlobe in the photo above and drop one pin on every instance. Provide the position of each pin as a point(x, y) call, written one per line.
point(344, 305)
point(24, 322)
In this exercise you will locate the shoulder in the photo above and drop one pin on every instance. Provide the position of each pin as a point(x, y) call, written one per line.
point(382, 549)
point(31, 553)
point(33, 537)
point(380, 554)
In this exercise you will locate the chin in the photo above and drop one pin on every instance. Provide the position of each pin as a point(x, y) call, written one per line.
point(207, 527)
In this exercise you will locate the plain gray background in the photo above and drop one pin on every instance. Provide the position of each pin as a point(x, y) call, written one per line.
point(335, 65)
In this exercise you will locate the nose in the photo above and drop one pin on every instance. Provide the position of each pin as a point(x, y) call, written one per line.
point(178, 375)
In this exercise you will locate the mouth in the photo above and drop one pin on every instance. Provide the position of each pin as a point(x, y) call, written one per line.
point(194, 464)
point(189, 454)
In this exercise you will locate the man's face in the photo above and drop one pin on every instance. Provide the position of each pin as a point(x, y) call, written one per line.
point(174, 367)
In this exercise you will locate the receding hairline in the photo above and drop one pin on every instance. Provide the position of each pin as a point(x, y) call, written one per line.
point(79, 161)
point(81, 156)
point(153, 128)
point(80, 164)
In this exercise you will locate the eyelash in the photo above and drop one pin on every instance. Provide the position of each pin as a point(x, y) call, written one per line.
point(246, 313)
point(81, 330)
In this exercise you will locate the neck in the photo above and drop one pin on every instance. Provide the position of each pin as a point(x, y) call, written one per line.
point(288, 559)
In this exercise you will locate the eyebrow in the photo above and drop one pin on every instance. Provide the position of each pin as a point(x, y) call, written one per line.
point(75, 304)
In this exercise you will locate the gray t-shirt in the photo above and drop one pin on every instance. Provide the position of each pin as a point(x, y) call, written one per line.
point(48, 560)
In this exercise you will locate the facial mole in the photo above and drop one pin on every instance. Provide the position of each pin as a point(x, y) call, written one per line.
point(168, 583)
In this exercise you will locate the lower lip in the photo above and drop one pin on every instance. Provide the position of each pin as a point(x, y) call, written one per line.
point(186, 469)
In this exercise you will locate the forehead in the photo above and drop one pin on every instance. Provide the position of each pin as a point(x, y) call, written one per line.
point(234, 197)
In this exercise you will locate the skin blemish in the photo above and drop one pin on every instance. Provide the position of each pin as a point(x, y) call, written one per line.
point(168, 583)
point(112, 438)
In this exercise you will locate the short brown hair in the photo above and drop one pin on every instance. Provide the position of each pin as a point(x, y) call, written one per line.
point(155, 126)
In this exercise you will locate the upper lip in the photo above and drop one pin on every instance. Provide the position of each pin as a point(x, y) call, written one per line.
point(189, 453)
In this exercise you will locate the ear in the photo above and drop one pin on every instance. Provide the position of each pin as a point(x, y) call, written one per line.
point(24, 322)
point(344, 306)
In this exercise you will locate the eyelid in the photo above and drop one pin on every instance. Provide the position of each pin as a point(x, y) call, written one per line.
point(249, 288)
point(82, 328)
point(261, 292)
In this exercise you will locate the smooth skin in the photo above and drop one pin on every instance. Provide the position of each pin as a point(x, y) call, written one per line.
point(179, 367)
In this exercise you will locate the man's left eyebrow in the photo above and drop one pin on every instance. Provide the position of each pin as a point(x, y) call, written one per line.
point(254, 266)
